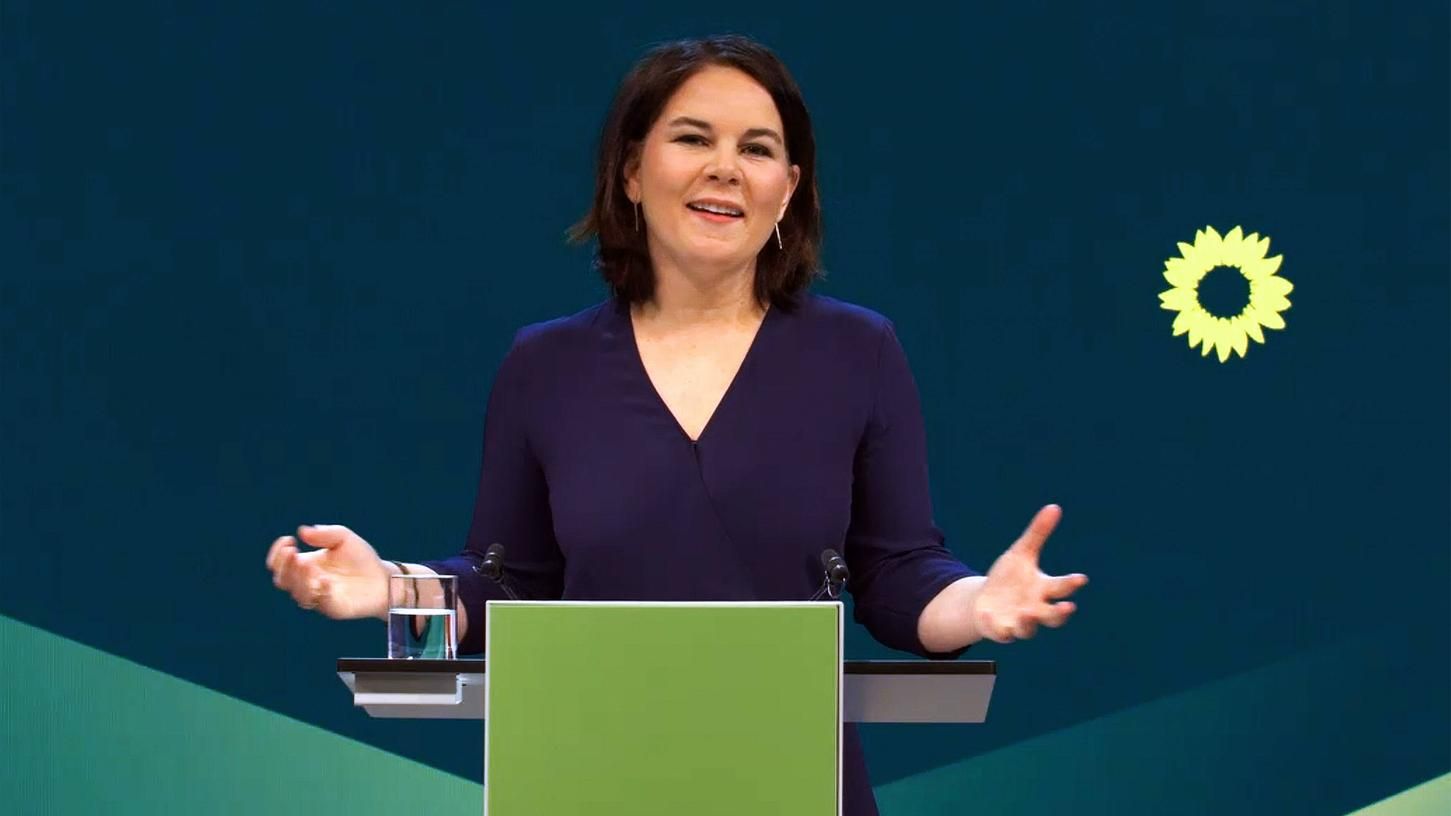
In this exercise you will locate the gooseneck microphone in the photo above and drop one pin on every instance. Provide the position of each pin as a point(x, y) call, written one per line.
point(836, 571)
point(835, 575)
point(492, 567)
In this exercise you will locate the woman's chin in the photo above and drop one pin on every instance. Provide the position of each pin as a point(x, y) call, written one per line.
point(717, 253)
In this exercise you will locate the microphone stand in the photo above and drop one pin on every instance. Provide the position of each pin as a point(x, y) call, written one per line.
point(492, 568)
point(835, 578)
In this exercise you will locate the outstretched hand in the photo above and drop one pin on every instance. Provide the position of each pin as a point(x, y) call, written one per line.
point(342, 578)
point(1017, 596)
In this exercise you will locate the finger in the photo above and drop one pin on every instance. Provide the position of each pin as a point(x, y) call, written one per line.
point(984, 625)
point(285, 578)
point(1018, 624)
point(306, 570)
point(1064, 586)
point(1055, 615)
point(1038, 530)
point(276, 548)
point(305, 583)
point(325, 600)
point(324, 536)
point(994, 628)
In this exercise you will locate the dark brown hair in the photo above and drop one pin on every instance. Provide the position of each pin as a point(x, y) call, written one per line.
point(622, 256)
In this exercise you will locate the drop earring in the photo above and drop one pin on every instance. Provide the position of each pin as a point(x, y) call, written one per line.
point(637, 216)
point(778, 236)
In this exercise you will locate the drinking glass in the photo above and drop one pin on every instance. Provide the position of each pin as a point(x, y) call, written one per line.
point(421, 621)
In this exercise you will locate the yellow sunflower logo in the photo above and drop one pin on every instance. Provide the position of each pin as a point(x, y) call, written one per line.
point(1267, 291)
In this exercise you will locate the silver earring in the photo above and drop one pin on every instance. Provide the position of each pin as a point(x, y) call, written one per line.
point(778, 236)
point(637, 216)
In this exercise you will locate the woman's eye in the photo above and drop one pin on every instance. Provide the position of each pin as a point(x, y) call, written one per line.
point(752, 149)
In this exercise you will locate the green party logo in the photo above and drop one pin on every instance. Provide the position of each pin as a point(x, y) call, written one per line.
point(1225, 333)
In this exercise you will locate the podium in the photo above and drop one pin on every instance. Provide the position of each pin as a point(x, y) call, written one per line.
point(701, 708)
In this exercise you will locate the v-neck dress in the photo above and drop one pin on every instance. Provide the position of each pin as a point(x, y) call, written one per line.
point(597, 493)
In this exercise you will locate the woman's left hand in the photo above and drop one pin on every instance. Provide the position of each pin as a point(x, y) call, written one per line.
point(1017, 597)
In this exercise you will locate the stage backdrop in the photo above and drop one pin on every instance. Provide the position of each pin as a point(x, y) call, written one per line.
point(261, 261)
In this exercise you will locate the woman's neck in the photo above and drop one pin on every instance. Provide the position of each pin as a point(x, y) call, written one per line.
point(682, 299)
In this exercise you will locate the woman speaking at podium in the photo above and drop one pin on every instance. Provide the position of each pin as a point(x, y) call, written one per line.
point(712, 427)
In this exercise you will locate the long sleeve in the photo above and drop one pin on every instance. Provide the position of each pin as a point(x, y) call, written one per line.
point(893, 546)
point(511, 507)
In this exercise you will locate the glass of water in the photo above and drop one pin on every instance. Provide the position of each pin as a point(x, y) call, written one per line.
point(421, 617)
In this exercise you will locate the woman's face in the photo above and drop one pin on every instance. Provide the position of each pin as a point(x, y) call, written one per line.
point(712, 177)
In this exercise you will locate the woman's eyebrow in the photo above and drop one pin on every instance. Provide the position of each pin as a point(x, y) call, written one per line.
point(705, 126)
point(686, 120)
point(765, 133)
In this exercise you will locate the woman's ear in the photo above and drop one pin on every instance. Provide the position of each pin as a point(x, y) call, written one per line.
point(631, 172)
point(790, 190)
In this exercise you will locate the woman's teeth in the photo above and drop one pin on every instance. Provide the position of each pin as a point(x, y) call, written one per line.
point(716, 209)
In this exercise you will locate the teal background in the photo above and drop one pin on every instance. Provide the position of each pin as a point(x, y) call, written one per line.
point(259, 264)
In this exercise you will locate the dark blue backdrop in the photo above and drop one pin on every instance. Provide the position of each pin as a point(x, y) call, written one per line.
point(259, 263)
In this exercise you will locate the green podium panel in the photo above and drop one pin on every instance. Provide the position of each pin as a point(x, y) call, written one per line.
point(663, 709)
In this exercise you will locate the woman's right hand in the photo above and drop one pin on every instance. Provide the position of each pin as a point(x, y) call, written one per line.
point(343, 578)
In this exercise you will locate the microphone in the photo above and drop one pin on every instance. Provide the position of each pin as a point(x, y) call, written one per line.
point(836, 571)
point(836, 575)
point(492, 567)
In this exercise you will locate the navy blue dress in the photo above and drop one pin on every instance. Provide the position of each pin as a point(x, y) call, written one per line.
point(597, 493)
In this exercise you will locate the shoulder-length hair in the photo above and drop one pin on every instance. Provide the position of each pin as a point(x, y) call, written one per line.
point(622, 257)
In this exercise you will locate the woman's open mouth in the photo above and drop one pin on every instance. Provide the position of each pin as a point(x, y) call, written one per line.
point(715, 212)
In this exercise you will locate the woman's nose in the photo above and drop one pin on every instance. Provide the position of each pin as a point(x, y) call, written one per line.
point(723, 168)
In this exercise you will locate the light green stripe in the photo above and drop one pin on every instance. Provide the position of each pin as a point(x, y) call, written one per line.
point(1432, 798)
point(85, 732)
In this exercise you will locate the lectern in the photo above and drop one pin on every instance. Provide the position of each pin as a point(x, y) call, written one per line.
point(667, 708)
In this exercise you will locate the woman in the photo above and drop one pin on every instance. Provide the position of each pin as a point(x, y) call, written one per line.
point(710, 429)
